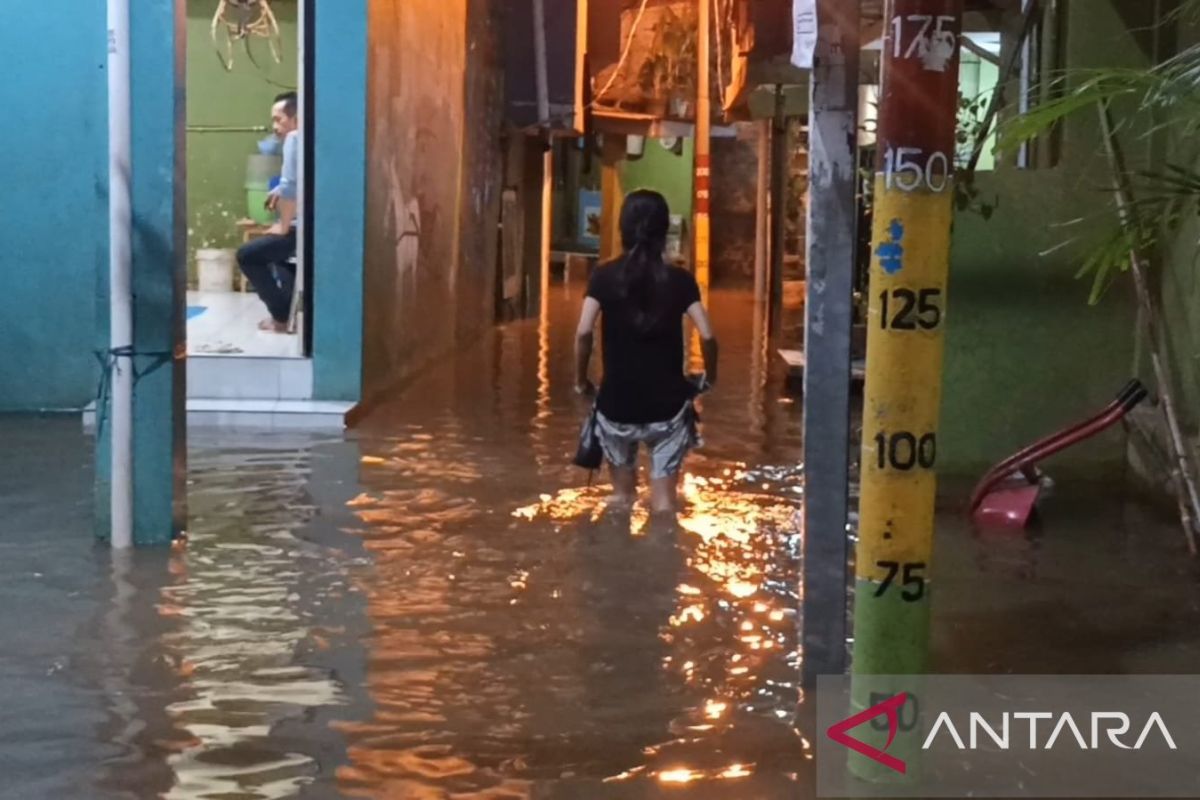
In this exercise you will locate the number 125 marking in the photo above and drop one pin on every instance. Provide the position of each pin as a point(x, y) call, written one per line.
point(918, 310)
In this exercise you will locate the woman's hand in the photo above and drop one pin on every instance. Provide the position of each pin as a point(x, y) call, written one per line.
point(585, 388)
point(700, 382)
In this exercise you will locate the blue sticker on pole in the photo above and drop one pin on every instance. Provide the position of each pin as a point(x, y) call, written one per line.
point(891, 252)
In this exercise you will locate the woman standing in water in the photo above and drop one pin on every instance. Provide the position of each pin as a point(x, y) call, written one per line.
point(645, 398)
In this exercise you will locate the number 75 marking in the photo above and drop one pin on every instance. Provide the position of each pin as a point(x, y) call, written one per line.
point(912, 580)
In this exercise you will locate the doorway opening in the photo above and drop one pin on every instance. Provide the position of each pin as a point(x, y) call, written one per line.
point(245, 62)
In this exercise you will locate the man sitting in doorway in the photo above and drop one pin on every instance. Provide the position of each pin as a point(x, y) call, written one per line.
point(266, 260)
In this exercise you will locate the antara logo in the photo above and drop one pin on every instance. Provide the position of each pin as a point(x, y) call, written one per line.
point(840, 732)
point(1106, 728)
point(1112, 724)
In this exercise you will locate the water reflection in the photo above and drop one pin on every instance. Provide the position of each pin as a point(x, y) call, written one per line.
point(525, 636)
point(444, 608)
point(136, 681)
point(246, 597)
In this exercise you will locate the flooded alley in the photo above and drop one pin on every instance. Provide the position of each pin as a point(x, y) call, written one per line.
point(440, 606)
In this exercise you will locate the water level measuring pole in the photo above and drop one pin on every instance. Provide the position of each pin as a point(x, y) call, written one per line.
point(914, 203)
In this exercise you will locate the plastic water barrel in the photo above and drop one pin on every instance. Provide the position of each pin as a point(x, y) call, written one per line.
point(214, 270)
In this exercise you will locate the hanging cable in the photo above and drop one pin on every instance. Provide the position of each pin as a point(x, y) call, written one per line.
point(725, 28)
point(625, 51)
point(624, 54)
point(719, 17)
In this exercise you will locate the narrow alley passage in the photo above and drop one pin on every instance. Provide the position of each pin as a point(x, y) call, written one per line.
point(519, 630)
point(439, 605)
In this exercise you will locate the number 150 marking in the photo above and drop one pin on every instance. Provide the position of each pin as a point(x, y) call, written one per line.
point(903, 173)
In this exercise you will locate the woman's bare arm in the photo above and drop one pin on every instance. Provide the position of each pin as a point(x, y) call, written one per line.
point(708, 339)
point(584, 337)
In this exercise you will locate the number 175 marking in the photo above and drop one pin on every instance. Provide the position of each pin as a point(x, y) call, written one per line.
point(933, 29)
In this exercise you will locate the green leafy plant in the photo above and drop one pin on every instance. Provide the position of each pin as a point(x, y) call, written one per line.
point(1147, 207)
point(670, 69)
point(970, 130)
point(1152, 100)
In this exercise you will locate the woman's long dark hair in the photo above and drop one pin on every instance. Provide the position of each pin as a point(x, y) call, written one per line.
point(645, 221)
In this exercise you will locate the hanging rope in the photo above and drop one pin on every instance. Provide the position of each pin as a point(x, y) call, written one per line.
point(720, 51)
point(108, 363)
point(612, 79)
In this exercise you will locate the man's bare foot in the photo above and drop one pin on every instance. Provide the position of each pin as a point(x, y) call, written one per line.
point(271, 326)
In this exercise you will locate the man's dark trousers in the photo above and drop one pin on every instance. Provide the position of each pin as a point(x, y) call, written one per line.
point(256, 259)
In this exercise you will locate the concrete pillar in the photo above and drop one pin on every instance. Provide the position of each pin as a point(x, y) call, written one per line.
point(158, 41)
point(780, 175)
point(829, 310)
point(612, 195)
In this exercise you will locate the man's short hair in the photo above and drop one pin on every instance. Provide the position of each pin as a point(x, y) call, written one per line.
point(291, 103)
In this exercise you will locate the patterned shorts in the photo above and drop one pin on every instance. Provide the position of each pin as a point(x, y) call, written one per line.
point(668, 441)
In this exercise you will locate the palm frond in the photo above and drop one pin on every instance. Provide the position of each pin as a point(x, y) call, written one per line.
point(1162, 98)
point(1172, 87)
point(1103, 86)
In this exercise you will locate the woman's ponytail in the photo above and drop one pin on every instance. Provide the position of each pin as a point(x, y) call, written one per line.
point(645, 221)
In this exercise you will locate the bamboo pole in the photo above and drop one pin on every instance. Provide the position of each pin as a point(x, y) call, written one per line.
point(1182, 474)
point(762, 213)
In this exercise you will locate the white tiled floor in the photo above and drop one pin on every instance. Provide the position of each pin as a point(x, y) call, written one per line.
point(228, 326)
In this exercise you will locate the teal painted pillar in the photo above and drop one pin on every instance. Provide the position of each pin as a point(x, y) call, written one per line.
point(339, 195)
point(158, 34)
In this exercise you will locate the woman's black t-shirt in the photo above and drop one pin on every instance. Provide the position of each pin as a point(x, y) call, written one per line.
point(643, 371)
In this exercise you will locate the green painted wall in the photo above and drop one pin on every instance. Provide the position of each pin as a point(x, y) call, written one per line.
point(664, 171)
point(1180, 296)
point(216, 161)
point(1180, 261)
point(1025, 353)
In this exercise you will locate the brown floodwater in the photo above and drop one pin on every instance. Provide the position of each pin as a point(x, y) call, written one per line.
point(439, 606)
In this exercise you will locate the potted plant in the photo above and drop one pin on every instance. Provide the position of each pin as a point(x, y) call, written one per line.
point(667, 75)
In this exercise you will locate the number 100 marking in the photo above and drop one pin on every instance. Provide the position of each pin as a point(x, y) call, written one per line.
point(904, 451)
